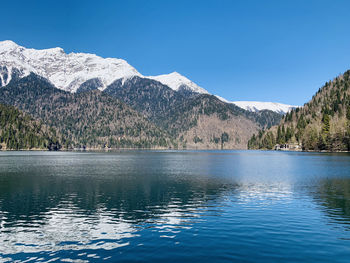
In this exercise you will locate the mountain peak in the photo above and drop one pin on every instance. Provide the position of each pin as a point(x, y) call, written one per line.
point(176, 81)
point(175, 73)
point(8, 45)
point(55, 50)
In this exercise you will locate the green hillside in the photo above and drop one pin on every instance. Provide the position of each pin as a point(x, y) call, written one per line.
point(88, 119)
point(20, 131)
point(321, 124)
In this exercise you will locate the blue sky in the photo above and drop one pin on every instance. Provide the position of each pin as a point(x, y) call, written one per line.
point(279, 51)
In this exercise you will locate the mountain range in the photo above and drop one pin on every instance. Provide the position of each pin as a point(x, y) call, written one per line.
point(96, 102)
point(70, 72)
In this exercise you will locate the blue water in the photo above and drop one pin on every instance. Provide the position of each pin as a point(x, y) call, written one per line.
point(179, 206)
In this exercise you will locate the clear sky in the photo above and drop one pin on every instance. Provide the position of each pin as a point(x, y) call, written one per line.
point(279, 51)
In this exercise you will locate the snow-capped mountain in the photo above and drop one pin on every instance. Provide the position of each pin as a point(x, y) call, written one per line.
point(177, 82)
point(69, 71)
point(65, 71)
point(255, 106)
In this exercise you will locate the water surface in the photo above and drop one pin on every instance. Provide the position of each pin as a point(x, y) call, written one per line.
point(174, 206)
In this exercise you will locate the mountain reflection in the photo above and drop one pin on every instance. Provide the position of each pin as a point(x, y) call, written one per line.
point(46, 213)
point(26, 197)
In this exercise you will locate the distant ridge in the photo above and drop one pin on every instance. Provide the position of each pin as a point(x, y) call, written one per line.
point(258, 106)
point(255, 106)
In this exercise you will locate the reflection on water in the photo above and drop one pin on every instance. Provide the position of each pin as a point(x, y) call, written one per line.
point(334, 195)
point(175, 206)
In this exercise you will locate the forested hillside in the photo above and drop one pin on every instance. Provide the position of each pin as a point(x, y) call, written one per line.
point(321, 124)
point(136, 113)
point(20, 131)
point(89, 119)
point(206, 122)
point(195, 120)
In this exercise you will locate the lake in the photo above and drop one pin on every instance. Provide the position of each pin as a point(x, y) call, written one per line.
point(174, 206)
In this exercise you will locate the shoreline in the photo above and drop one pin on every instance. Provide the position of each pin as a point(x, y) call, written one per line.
point(323, 151)
point(164, 149)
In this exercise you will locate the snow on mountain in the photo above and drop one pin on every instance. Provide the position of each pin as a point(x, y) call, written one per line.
point(69, 71)
point(65, 71)
point(258, 106)
point(176, 82)
point(255, 106)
